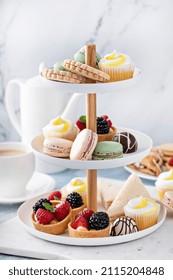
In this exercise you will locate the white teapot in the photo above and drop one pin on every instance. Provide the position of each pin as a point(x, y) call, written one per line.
point(38, 105)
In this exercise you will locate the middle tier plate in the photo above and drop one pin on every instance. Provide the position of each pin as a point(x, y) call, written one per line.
point(144, 146)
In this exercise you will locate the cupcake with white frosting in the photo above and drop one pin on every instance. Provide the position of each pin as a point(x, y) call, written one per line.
point(164, 183)
point(60, 128)
point(143, 210)
point(76, 185)
point(119, 66)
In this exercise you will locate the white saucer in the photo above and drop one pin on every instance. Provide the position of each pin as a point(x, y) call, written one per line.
point(40, 183)
point(140, 174)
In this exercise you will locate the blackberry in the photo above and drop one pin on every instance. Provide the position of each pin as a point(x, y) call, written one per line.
point(99, 220)
point(74, 199)
point(39, 204)
point(102, 126)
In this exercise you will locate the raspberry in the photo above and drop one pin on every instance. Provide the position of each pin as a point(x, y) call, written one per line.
point(80, 222)
point(44, 216)
point(62, 210)
point(109, 123)
point(55, 195)
point(99, 220)
point(80, 125)
point(40, 204)
point(171, 162)
point(74, 199)
point(85, 213)
point(105, 117)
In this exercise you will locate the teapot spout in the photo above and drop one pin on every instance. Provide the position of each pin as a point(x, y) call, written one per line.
point(70, 110)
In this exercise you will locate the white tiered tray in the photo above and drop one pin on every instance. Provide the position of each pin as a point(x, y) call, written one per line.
point(25, 210)
point(96, 88)
point(144, 146)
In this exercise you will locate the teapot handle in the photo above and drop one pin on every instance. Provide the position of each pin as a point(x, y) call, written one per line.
point(9, 102)
point(71, 107)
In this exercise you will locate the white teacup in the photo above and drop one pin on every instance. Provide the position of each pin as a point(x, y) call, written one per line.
point(17, 165)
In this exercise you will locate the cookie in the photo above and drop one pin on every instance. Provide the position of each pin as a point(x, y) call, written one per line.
point(85, 70)
point(167, 149)
point(169, 164)
point(142, 169)
point(63, 76)
point(151, 164)
point(166, 158)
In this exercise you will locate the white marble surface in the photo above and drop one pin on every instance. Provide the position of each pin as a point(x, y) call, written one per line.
point(36, 31)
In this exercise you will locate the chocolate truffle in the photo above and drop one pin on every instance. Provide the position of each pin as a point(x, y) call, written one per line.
point(127, 140)
point(123, 225)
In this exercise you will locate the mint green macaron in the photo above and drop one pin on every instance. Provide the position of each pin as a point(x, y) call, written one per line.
point(107, 150)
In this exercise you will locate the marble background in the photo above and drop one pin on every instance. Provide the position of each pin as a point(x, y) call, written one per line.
point(35, 31)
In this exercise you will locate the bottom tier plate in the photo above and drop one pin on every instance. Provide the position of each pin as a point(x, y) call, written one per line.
point(24, 217)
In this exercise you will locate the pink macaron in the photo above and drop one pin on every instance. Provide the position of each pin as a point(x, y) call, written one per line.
point(57, 147)
point(84, 145)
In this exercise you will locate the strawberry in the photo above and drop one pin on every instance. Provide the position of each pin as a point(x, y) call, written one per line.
point(109, 123)
point(80, 222)
point(62, 210)
point(105, 117)
point(85, 213)
point(44, 216)
point(171, 162)
point(80, 125)
point(55, 195)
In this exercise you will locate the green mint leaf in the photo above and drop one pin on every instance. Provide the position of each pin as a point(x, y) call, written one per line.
point(82, 119)
point(48, 207)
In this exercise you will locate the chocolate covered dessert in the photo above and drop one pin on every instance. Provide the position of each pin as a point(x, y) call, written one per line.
point(128, 141)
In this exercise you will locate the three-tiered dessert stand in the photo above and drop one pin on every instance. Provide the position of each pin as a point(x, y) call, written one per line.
point(144, 146)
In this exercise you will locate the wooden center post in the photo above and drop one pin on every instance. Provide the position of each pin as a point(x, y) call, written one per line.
point(90, 59)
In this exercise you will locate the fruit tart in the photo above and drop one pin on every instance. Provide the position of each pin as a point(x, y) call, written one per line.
point(105, 130)
point(51, 219)
point(88, 224)
point(76, 203)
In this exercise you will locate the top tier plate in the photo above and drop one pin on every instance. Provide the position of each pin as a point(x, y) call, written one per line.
point(93, 88)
